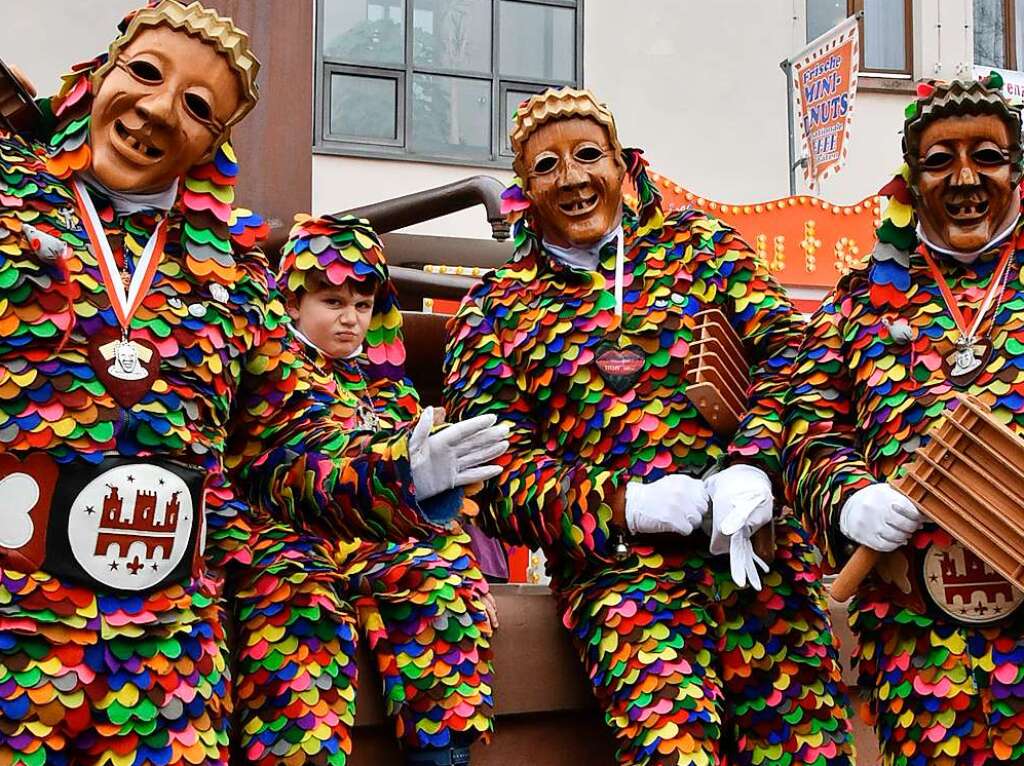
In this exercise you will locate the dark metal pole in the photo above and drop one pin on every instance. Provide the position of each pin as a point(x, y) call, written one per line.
point(787, 67)
point(410, 209)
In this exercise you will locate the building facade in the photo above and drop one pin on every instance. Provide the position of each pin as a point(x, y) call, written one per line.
point(388, 97)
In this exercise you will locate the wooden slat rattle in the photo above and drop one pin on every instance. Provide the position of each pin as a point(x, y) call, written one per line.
point(968, 479)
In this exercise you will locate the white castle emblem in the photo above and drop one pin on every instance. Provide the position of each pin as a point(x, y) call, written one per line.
point(130, 526)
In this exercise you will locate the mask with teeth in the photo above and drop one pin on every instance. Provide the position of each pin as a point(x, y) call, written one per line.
point(573, 179)
point(160, 109)
point(965, 186)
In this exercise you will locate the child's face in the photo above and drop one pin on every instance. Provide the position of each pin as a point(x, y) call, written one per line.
point(334, 318)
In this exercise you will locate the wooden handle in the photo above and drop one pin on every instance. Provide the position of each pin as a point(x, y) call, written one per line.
point(764, 543)
point(850, 576)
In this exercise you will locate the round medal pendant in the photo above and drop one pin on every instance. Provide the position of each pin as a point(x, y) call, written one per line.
point(967, 361)
point(127, 367)
point(965, 588)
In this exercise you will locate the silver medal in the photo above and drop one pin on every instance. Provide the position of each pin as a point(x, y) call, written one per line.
point(126, 362)
point(966, 357)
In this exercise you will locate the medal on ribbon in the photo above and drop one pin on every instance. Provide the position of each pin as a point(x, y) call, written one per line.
point(971, 352)
point(126, 367)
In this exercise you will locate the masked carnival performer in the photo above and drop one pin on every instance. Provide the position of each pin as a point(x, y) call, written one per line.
point(128, 303)
point(936, 310)
point(580, 342)
point(421, 604)
point(133, 307)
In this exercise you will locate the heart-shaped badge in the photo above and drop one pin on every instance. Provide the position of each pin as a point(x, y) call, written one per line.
point(620, 367)
point(126, 367)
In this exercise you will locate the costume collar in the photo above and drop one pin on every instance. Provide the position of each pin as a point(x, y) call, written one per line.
point(584, 258)
point(128, 203)
point(305, 339)
point(302, 336)
point(972, 256)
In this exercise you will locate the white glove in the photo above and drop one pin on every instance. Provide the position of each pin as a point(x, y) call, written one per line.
point(879, 517)
point(741, 503)
point(673, 503)
point(456, 456)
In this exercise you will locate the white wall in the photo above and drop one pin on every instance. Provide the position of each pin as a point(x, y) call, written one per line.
point(46, 37)
point(699, 86)
point(341, 183)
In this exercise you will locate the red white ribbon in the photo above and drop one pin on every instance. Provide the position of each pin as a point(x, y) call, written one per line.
point(125, 304)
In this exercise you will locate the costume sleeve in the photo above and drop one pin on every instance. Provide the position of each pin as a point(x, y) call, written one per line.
point(823, 460)
point(770, 329)
point(297, 460)
point(538, 500)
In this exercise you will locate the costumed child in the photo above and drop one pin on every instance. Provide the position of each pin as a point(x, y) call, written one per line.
point(423, 604)
point(581, 341)
point(936, 310)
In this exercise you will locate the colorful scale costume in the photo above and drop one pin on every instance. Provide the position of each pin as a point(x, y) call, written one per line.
point(418, 602)
point(868, 383)
point(87, 676)
point(688, 668)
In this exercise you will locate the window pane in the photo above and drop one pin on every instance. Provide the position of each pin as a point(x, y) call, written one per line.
point(513, 98)
point(452, 34)
point(822, 15)
point(364, 107)
point(884, 35)
point(989, 33)
point(451, 116)
point(365, 31)
point(538, 42)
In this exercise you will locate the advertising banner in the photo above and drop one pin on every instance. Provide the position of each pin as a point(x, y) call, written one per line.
point(824, 86)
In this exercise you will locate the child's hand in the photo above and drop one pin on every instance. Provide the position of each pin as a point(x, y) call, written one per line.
point(491, 610)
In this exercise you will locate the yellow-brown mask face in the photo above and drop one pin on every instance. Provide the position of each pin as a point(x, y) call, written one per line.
point(964, 181)
point(574, 181)
point(160, 110)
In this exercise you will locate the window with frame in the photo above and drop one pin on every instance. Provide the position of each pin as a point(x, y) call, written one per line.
point(999, 33)
point(437, 80)
point(886, 32)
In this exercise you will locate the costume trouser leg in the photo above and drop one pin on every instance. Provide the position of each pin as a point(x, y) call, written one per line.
point(428, 632)
point(647, 641)
point(785, 699)
point(296, 647)
point(154, 696)
point(939, 693)
point(688, 674)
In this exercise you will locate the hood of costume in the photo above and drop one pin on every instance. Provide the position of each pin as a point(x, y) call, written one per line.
point(333, 250)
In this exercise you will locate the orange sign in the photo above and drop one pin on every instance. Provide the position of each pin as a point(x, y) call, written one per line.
point(825, 81)
point(806, 242)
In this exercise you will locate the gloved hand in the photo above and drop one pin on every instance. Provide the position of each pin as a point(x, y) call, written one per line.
point(879, 517)
point(456, 456)
point(741, 503)
point(673, 503)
